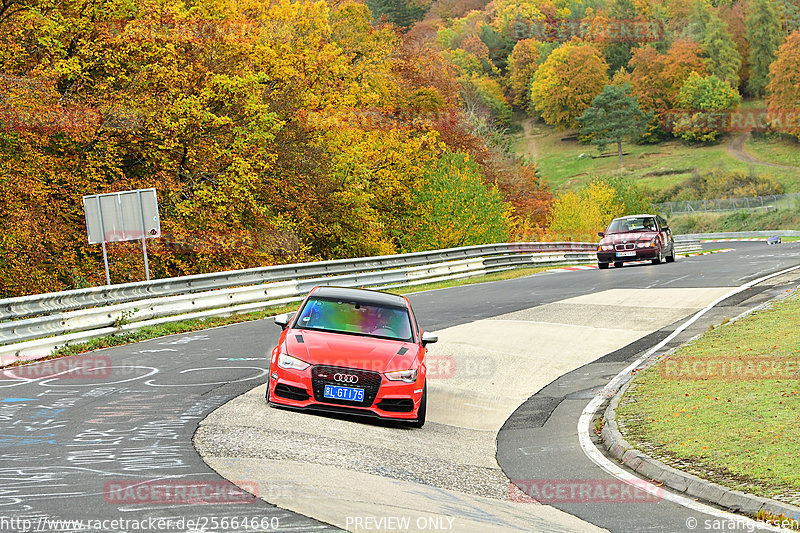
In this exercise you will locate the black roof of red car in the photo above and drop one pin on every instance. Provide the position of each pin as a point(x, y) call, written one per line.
point(360, 295)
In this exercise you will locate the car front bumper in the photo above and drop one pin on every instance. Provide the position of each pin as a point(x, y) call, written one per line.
point(393, 399)
point(641, 254)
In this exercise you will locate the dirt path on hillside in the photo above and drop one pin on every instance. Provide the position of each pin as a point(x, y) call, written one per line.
point(530, 138)
point(735, 147)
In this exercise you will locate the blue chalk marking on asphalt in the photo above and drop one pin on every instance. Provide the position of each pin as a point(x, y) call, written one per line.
point(9, 400)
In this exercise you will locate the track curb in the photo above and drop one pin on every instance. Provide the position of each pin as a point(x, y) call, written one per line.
point(679, 481)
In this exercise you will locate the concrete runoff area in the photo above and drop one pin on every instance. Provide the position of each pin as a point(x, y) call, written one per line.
point(364, 476)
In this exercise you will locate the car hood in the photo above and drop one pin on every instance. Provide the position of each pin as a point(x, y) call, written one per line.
point(352, 351)
point(619, 238)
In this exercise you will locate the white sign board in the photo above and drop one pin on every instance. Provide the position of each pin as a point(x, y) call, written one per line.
point(122, 216)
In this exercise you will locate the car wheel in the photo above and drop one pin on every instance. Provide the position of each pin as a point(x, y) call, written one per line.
point(657, 259)
point(671, 256)
point(420, 421)
point(266, 394)
point(617, 264)
point(602, 265)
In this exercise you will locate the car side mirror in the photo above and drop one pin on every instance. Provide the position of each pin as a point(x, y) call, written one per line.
point(601, 234)
point(283, 320)
point(429, 338)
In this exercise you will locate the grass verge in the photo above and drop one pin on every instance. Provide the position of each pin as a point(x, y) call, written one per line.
point(782, 150)
point(184, 326)
point(724, 407)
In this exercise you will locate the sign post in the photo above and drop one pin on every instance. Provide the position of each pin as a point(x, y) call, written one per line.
point(122, 216)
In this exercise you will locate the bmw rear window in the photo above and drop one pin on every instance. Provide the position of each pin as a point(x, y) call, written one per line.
point(356, 318)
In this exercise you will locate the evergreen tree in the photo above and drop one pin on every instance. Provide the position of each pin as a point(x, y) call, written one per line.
point(613, 116)
point(720, 50)
point(699, 16)
point(765, 36)
point(618, 53)
point(499, 46)
point(791, 16)
point(401, 13)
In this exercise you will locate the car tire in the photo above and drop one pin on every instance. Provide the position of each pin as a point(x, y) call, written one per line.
point(266, 394)
point(423, 407)
point(617, 264)
point(602, 265)
point(671, 256)
point(657, 259)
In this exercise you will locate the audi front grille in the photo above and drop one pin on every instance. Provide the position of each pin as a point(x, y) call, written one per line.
point(368, 380)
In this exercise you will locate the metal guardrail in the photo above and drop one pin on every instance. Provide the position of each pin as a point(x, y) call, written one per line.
point(33, 326)
point(47, 321)
point(11, 308)
point(721, 205)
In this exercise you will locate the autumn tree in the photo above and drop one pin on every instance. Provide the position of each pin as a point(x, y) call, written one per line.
point(580, 215)
point(613, 116)
point(521, 68)
point(764, 36)
point(720, 51)
point(702, 100)
point(657, 78)
point(783, 91)
point(455, 207)
point(565, 84)
point(734, 18)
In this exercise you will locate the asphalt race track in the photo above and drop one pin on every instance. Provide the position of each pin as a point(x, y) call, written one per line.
point(109, 439)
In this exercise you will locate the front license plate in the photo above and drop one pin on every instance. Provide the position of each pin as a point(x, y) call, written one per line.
point(626, 254)
point(344, 393)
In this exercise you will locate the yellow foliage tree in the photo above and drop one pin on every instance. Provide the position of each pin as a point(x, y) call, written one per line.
point(579, 216)
point(565, 84)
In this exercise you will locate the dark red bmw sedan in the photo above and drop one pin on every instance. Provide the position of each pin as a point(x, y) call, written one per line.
point(634, 238)
point(351, 350)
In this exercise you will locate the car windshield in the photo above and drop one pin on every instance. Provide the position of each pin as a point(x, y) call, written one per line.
point(627, 225)
point(356, 318)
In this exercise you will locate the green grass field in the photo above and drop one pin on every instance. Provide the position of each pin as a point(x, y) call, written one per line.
point(779, 150)
point(725, 406)
point(568, 164)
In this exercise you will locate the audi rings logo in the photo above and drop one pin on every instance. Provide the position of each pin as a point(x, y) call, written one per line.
point(345, 378)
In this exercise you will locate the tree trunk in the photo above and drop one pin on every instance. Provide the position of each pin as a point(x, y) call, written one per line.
point(619, 151)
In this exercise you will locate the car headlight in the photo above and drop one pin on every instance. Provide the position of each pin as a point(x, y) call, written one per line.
point(291, 363)
point(409, 376)
point(648, 244)
point(606, 247)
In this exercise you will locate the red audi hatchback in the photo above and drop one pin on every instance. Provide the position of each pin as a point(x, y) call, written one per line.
point(351, 350)
point(634, 238)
